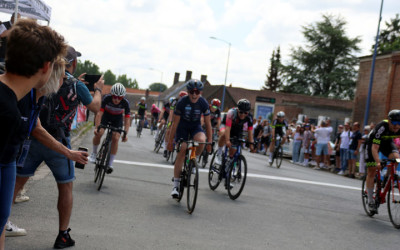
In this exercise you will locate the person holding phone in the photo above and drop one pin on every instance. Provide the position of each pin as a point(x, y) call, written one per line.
point(114, 109)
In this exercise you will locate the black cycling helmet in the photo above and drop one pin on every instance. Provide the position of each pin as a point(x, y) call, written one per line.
point(394, 115)
point(194, 84)
point(244, 105)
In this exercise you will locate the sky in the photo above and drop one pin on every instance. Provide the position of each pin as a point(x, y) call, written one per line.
point(150, 40)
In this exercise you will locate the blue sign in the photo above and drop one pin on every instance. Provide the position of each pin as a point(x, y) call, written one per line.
point(263, 111)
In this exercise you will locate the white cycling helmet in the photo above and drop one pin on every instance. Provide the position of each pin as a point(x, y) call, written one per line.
point(143, 98)
point(118, 89)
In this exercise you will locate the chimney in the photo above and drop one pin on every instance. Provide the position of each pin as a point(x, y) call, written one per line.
point(203, 79)
point(176, 78)
point(188, 75)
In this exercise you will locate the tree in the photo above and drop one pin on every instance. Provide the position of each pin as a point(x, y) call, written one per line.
point(109, 78)
point(159, 87)
point(389, 38)
point(273, 82)
point(326, 66)
point(87, 67)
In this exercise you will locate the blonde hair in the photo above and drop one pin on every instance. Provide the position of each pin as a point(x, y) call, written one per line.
point(53, 84)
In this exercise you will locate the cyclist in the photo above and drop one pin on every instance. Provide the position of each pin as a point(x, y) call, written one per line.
point(233, 125)
point(380, 139)
point(155, 111)
point(277, 129)
point(165, 114)
point(215, 113)
point(113, 108)
point(142, 111)
point(186, 125)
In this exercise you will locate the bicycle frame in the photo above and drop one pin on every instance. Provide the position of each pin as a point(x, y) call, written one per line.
point(381, 194)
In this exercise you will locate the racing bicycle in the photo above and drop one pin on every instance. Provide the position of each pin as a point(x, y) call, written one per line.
point(277, 156)
point(160, 138)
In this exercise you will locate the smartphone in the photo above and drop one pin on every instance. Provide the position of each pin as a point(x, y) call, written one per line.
point(78, 165)
point(91, 79)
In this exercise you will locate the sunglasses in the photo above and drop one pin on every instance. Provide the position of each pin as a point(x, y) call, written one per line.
point(243, 112)
point(215, 107)
point(194, 91)
point(395, 122)
point(117, 97)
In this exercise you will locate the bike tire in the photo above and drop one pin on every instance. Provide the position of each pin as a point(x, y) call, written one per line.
point(98, 162)
point(192, 185)
point(162, 135)
point(205, 158)
point(237, 177)
point(279, 157)
point(214, 172)
point(364, 196)
point(393, 203)
point(104, 164)
point(182, 185)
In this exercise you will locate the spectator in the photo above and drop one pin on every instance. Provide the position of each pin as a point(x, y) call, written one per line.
point(297, 141)
point(323, 134)
point(5, 28)
point(266, 136)
point(354, 146)
point(344, 147)
point(258, 132)
point(30, 54)
point(337, 148)
point(61, 167)
point(306, 143)
point(362, 150)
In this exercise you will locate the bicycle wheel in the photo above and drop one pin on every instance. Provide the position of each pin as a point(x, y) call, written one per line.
point(364, 196)
point(160, 142)
point(103, 165)
point(214, 174)
point(192, 185)
point(393, 203)
point(182, 185)
point(237, 177)
point(99, 157)
point(279, 157)
point(204, 158)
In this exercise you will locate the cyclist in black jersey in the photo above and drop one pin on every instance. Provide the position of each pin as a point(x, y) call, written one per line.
point(114, 110)
point(215, 114)
point(380, 139)
point(279, 127)
point(142, 113)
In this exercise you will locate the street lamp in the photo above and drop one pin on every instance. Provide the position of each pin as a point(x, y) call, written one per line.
point(226, 71)
point(158, 102)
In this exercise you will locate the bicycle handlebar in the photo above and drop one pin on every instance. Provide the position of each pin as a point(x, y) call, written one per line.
point(113, 129)
point(386, 161)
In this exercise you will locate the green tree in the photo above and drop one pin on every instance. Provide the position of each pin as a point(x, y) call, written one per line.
point(133, 84)
point(87, 67)
point(109, 78)
point(161, 87)
point(326, 66)
point(273, 82)
point(389, 38)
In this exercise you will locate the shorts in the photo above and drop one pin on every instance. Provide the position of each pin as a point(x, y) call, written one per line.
point(61, 167)
point(307, 150)
point(141, 117)
point(186, 131)
point(385, 149)
point(165, 116)
point(155, 116)
point(116, 122)
point(351, 155)
point(222, 128)
point(265, 140)
point(322, 149)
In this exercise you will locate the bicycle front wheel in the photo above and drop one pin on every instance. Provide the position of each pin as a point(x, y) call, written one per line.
point(213, 173)
point(99, 159)
point(279, 157)
point(393, 203)
point(237, 177)
point(104, 162)
point(364, 196)
point(192, 185)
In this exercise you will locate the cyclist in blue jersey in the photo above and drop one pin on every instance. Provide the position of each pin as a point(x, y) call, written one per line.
point(115, 111)
point(186, 125)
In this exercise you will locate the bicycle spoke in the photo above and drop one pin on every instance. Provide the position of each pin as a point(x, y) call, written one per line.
point(192, 185)
point(237, 177)
point(213, 174)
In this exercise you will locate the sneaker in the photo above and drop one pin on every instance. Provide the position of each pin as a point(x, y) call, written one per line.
point(21, 198)
point(218, 160)
point(175, 193)
point(92, 158)
point(341, 172)
point(372, 207)
point(12, 230)
point(64, 240)
point(269, 160)
point(110, 169)
point(316, 168)
point(165, 154)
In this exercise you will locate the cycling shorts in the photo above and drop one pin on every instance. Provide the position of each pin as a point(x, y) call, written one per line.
point(385, 149)
point(187, 132)
point(115, 122)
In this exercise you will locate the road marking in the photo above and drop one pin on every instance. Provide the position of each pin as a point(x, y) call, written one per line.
point(269, 177)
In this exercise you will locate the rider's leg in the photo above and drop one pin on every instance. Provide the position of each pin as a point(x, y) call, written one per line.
point(114, 147)
point(199, 137)
point(221, 141)
point(96, 140)
point(371, 171)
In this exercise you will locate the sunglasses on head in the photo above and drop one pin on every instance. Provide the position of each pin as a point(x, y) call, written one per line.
point(194, 91)
point(243, 112)
point(117, 97)
point(395, 122)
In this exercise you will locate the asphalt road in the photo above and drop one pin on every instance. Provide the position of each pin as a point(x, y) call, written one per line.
point(288, 208)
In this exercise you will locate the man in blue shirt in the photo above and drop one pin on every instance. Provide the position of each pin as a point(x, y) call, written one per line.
point(187, 125)
point(57, 121)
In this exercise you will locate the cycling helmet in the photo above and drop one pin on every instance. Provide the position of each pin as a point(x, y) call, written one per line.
point(118, 89)
point(171, 99)
point(244, 105)
point(143, 98)
point(216, 102)
point(153, 106)
point(280, 114)
point(182, 94)
point(194, 84)
point(394, 115)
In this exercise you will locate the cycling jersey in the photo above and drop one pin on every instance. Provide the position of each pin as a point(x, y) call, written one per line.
point(278, 126)
point(142, 108)
point(382, 136)
point(113, 113)
point(237, 125)
point(215, 117)
point(166, 108)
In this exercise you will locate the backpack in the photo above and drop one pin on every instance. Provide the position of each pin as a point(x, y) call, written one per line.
point(58, 111)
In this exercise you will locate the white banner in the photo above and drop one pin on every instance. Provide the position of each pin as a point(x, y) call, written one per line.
point(36, 9)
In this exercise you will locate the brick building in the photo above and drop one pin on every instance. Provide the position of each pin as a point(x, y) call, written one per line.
point(385, 89)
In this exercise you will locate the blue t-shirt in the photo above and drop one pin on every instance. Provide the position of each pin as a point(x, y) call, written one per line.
point(191, 112)
point(83, 93)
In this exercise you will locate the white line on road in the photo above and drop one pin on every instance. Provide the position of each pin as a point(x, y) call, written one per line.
point(269, 177)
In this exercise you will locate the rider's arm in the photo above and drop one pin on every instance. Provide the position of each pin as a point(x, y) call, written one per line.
point(207, 121)
point(219, 123)
point(375, 153)
point(97, 120)
point(227, 134)
point(202, 120)
point(127, 124)
point(172, 132)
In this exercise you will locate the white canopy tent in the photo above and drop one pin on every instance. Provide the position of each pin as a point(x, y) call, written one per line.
point(36, 9)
